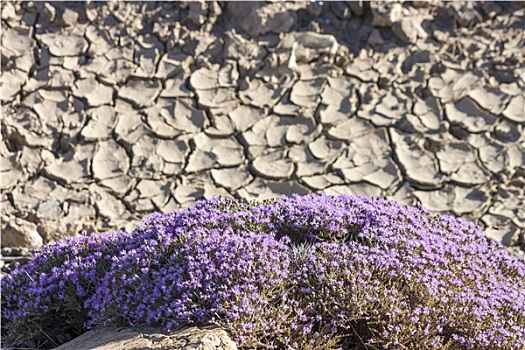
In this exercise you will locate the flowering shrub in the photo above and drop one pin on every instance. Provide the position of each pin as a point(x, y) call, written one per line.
point(312, 272)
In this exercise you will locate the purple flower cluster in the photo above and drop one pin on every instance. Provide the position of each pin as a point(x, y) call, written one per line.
point(317, 271)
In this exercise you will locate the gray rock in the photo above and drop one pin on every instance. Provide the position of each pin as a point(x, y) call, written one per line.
point(209, 338)
point(188, 193)
point(20, 233)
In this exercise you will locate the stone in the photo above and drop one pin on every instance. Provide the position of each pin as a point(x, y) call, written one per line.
point(323, 148)
point(141, 337)
point(110, 160)
point(107, 204)
point(173, 151)
point(72, 167)
point(362, 70)
point(226, 151)
point(20, 233)
point(507, 132)
point(260, 94)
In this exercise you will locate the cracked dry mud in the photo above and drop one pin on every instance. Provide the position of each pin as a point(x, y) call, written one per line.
point(112, 111)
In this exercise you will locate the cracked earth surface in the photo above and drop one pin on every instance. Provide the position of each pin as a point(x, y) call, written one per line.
point(112, 111)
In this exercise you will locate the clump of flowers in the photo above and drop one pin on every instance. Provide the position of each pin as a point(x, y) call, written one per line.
point(311, 272)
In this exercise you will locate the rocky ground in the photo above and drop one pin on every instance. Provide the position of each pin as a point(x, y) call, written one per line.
point(112, 111)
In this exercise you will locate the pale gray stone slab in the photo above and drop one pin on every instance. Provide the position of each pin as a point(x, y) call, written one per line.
point(176, 87)
point(99, 40)
point(110, 160)
point(227, 151)
point(20, 233)
point(261, 189)
point(362, 70)
point(108, 205)
point(188, 193)
point(118, 185)
point(130, 127)
point(218, 98)
point(306, 164)
point(173, 151)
